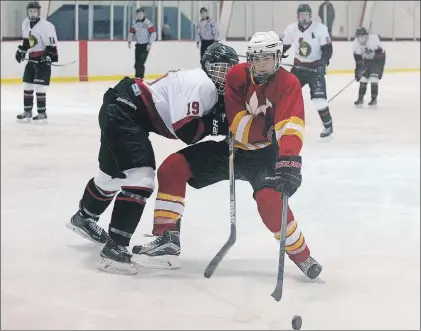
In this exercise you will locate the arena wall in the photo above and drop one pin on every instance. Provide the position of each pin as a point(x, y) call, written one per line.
point(111, 60)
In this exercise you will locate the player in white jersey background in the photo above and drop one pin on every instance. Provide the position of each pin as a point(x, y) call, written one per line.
point(370, 59)
point(185, 105)
point(313, 49)
point(40, 42)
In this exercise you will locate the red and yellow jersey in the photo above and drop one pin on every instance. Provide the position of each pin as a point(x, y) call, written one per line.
point(279, 103)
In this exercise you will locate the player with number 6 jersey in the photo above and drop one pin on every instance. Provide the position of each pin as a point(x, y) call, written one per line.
point(183, 105)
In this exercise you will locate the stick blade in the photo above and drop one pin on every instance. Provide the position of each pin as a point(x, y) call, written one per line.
point(277, 294)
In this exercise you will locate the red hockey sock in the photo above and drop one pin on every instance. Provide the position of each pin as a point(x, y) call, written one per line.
point(269, 204)
point(173, 175)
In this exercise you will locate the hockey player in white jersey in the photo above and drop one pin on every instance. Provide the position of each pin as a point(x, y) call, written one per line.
point(40, 42)
point(185, 105)
point(370, 59)
point(313, 49)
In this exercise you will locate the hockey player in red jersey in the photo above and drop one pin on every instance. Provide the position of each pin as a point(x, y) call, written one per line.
point(265, 111)
point(181, 105)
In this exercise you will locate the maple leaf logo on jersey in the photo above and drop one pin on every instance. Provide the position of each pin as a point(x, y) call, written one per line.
point(33, 41)
point(254, 108)
point(304, 47)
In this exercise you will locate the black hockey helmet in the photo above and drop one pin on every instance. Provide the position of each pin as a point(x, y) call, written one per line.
point(33, 5)
point(362, 35)
point(303, 19)
point(361, 31)
point(216, 61)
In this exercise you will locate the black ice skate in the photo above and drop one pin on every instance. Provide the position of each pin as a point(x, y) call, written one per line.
point(41, 118)
point(161, 253)
point(25, 117)
point(310, 267)
point(88, 228)
point(373, 102)
point(327, 131)
point(116, 259)
point(359, 102)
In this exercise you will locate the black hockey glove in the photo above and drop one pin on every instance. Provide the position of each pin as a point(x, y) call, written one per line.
point(45, 59)
point(20, 53)
point(287, 176)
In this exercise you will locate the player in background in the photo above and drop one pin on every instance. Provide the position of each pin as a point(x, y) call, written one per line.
point(40, 42)
point(370, 59)
point(265, 111)
point(313, 49)
point(181, 105)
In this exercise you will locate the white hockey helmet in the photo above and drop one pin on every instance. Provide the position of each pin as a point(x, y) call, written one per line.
point(264, 54)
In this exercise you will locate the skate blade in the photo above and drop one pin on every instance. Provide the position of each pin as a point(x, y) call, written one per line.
point(117, 268)
point(327, 138)
point(40, 122)
point(82, 233)
point(166, 262)
point(24, 121)
point(359, 106)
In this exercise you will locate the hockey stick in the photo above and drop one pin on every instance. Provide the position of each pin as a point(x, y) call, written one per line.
point(346, 86)
point(233, 231)
point(292, 65)
point(277, 293)
point(52, 64)
point(343, 89)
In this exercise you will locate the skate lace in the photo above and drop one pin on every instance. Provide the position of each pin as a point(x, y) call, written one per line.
point(95, 228)
point(154, 242)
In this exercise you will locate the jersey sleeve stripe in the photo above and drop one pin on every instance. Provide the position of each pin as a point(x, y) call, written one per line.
point(247, 129)
point(291, 126)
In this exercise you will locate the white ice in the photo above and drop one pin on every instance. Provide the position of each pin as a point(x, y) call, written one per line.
point(358, 206)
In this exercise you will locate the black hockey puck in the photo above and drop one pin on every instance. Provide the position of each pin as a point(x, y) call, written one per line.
point(296, 322)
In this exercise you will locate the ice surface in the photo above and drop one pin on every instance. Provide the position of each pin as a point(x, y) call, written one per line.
point(359, 209)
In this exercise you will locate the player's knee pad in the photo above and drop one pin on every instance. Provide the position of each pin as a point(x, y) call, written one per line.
point(28, 86)
point(40, 88)
point(137, 177)
point(364, 80)
point(374, 78)
point(174, 168)
point(320, 103)
point(140, 178)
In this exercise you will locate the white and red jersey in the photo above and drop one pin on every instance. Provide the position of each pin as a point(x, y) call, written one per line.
point(41, 35)
point(368, 51)
point(177, 98)
point(308, 42)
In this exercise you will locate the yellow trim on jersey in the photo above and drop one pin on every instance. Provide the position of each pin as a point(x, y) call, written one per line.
point(289, 127)
point(237, 120)
point(246, 132)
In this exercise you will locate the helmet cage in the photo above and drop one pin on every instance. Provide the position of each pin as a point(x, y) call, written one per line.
point(217, 73)
point(260, 71)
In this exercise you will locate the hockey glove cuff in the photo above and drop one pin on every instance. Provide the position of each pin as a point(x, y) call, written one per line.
point(287, 175)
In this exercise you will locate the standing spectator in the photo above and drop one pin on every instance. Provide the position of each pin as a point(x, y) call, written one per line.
point(327, 15)
point(206, 31)
point(143, 32)
point(166, 30)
